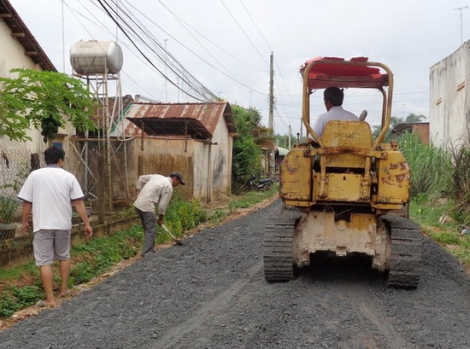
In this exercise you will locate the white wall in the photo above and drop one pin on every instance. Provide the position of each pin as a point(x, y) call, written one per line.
point(221, 155)
point(12, 55)
point(449, 103)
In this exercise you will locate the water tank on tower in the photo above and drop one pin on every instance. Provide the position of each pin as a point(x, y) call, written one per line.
point(96, 57)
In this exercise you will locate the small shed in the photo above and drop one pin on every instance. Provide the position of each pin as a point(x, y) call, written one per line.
point(193, 138)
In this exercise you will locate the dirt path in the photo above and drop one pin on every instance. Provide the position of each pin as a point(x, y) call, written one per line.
point(211, 293)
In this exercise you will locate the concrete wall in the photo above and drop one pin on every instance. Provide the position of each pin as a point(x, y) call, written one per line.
point(449, 116)
point(220, 159)
point(12, 55)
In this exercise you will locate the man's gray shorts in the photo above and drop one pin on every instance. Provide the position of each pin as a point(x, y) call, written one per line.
point(51, 244)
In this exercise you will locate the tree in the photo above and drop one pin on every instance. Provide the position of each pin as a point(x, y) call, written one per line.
point(282, 140)
point(246, 146)
point(415, 118)
point(43, 98)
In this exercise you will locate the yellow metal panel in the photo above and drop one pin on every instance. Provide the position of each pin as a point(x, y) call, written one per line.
point(296, 176)
point(341, 186)
point(297, 203)
point(393, 179)
point(347, 134)
point(345, 160)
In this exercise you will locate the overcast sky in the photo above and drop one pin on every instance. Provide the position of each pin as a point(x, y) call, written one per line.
point(226, 45)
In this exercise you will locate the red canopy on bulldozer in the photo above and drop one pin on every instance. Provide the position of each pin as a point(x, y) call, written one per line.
point(333, 71)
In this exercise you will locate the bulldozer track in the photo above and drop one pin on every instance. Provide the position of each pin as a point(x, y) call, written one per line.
point(278, 242)
point(406, 252)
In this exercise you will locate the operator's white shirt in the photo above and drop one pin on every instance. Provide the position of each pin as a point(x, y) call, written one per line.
point(51, 190)
point(335, 113)
point(155, 189)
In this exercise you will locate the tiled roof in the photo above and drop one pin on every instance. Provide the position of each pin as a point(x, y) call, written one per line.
point(21, 33)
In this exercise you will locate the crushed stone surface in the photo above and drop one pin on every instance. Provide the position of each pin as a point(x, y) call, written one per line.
point(211, 293)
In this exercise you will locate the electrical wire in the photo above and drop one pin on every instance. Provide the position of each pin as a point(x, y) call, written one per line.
point(196, 86)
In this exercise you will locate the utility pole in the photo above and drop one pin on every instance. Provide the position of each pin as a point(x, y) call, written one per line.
point(290, 131)
point(461, 25)
point(271, 111)
point(271, 94)
point(166, 88)
point(250, 97)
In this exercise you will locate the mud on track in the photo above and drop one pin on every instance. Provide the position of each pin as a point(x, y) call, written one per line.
point(211, 293)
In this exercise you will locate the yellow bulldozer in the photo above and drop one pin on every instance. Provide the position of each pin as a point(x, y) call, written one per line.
point(350, 194)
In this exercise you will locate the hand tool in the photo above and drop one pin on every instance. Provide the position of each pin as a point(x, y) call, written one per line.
point(174, 238)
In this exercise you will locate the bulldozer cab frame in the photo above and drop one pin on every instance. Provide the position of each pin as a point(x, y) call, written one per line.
point(323, 72)
point(346, 147)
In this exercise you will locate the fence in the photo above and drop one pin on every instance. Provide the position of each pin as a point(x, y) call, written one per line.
point(100, 169)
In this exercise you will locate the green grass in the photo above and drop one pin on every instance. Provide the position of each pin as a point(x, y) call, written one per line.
point(428, 212)
point(16, 298)
point(252, 197)
point(8, 274)
point(445, 238)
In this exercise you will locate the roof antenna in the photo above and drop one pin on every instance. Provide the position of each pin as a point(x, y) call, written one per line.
point(461, 9)
point(63, 39)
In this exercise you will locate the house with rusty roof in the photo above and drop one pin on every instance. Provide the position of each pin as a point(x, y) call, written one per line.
point(193, 138)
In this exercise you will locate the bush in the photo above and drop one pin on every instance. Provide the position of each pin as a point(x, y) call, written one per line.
point(16, 298)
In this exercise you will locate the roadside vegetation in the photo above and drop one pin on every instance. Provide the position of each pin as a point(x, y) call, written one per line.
point(440, 193)
point(41, 98)
point(251, 137)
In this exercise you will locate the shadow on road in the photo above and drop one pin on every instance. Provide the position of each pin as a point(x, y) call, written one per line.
point(327, 268)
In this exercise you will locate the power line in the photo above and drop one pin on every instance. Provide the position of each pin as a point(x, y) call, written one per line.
point(176, 67)
point(185, 25)
point(241, 28)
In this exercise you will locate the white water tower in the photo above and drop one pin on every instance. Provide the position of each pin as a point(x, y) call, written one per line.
point(96, 57)
point(99, 62)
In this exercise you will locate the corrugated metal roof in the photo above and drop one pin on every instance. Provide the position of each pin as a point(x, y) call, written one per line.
point(198, 120)
point(21, 33)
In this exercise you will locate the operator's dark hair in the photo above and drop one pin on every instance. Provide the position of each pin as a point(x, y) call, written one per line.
point(53, 154)
point(334, 95)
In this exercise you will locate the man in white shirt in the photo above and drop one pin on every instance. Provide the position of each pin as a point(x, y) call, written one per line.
point(51, 192)
point(154, 189)
point(333, 99)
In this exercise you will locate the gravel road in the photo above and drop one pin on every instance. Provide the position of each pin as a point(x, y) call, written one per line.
point(211, 293)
